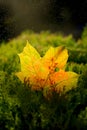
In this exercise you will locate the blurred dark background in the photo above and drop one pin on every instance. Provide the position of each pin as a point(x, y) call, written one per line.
point(55, 15)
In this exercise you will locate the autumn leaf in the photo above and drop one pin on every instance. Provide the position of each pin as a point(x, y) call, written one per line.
point(47, 72)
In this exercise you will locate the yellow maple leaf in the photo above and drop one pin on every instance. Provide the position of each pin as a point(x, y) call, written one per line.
point(46, 72)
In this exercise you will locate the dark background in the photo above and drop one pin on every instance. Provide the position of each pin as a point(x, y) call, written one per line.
point(67, 16)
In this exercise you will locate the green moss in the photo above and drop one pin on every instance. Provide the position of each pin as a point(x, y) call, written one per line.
point(23, 109)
